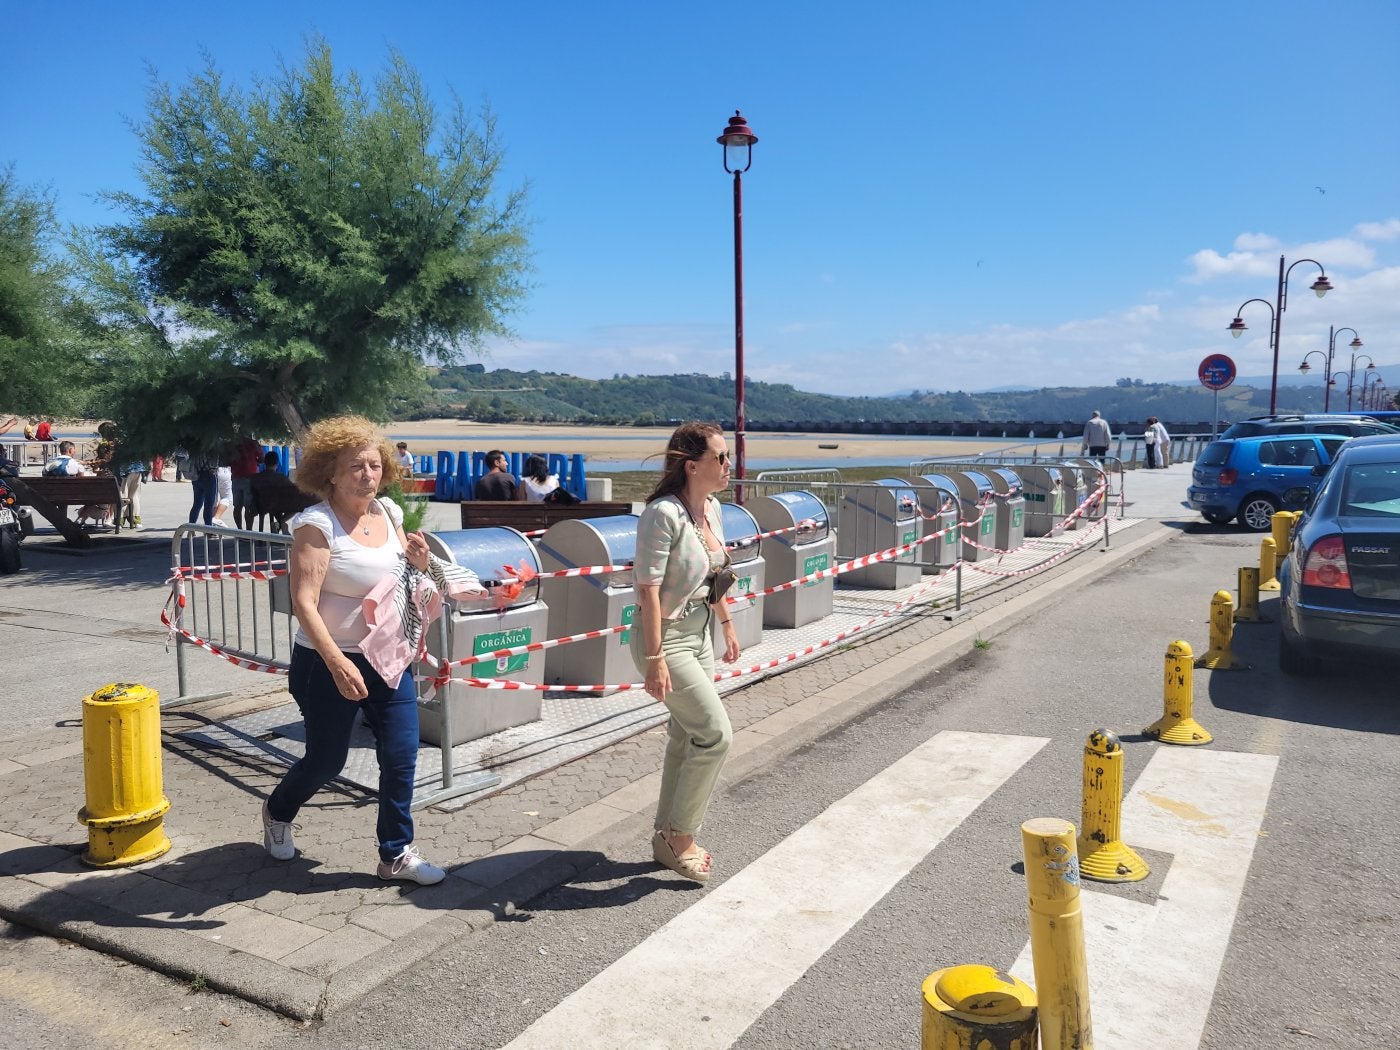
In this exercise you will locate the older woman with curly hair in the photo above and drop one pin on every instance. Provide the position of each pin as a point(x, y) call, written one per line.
point(342, 548)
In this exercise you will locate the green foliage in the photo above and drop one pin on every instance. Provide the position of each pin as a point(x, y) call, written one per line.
point(415, 511)
point(304, 245)
point(43, 370)
point(506, 396)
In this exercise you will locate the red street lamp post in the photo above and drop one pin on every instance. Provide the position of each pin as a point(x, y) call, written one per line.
point(1332, 333)
point(1237, 327)
point(738, 139)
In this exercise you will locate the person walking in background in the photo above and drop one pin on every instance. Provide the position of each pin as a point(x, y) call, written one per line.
point(1149, 442)
point(202, 468)
point(223, 490)
point(1097, 436)
point(131, 478)
point(157, 468)
point(498, 483)
point(1164, 443)
point(680, 551)
point(243, 465)
point(343, 550)
point(536, 482)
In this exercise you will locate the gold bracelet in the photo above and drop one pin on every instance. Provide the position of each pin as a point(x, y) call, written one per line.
point(658, 656)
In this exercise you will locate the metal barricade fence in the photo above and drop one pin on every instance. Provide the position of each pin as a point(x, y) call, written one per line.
point(230, 589)
point(1110, 470)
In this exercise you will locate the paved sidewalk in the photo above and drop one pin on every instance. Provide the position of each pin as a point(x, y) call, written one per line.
point(311, 935)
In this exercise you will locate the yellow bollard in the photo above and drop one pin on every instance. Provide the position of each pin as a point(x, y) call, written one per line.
point(1176, 726)
point(1248, 612)
point(1268, 564)
point(122, 776)
point(1103, 856)
point(1281, 532)
point(977, 1008)
point(1057, 934)
point(1220, 657)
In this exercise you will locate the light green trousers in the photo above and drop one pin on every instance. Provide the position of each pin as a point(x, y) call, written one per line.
point(698, 733)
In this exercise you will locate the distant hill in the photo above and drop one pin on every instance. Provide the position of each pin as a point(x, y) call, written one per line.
point(503, 395)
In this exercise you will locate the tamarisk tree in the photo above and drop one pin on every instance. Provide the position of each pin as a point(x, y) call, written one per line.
point(310, 243)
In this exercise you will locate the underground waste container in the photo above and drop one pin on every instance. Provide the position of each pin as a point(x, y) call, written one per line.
point(942, 508)
point(741, 537)
point(877, 517)
point(1045, 499)
point(593, 602)
point(981, 512)
point(477, 627)
point(1011, 508)
point(805, 546)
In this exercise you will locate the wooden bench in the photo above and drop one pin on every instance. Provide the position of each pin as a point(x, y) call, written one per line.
point(529, 517)
point(52, 496)
point(278, 502)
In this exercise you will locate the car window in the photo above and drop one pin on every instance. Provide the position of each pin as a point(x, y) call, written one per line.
point(1373, 489)
point(1373, 428)
point(1243, 430)
point(1289, 428)
point(1216, 454)
point(1335, 428)
point(1332, 445)
point(1298, 452)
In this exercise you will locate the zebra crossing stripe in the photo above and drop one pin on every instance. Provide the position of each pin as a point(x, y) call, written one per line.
point(715, 968)
point(1153, 967)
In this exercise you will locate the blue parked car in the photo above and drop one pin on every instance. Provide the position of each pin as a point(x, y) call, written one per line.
point(1246, 478)
point(1341, 582)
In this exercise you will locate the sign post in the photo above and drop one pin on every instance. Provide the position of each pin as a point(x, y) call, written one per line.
point(1216, 373)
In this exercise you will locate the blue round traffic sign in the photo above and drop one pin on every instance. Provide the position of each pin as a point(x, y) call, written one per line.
point(1217, 372)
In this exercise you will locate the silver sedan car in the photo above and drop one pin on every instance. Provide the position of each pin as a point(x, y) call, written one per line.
point(1341, 582)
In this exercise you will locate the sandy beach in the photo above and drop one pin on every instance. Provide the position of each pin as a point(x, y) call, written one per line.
point(603, 445)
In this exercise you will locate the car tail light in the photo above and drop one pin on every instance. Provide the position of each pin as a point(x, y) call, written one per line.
point(1326, 565)
point(1229, 476)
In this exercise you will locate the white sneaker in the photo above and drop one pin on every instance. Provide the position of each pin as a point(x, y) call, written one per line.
point(277, 836)
point(219, 522)
point(410, 867)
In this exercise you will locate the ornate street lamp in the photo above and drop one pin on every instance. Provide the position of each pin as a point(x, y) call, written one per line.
point(1351, 374)
point(1370, 391)
point(738, 139)
point(1332, 333)
point(1237, 327)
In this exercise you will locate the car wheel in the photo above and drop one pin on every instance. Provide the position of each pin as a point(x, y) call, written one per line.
point(1216, 519)
point(1257, 512)
point(9, 551)
point(1293, 659)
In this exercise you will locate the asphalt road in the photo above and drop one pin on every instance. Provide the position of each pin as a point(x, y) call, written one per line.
point(1310, 957)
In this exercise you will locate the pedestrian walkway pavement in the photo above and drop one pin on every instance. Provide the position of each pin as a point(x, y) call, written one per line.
point(311, 935)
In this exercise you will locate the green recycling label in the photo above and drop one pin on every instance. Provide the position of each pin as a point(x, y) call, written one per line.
point(629, 617)
point(1018, 515)
point(743, 586)
point(815, 563)
point(909, 537)
point(489, 643)
point(989, 522)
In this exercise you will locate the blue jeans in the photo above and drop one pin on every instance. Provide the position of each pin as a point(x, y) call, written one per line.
point(206, 488)
point(392, 713)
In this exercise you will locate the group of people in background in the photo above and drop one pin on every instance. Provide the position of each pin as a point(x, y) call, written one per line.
point(536, 484)
point(1098, 435)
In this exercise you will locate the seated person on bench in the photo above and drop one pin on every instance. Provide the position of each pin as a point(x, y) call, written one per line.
point(64, 465)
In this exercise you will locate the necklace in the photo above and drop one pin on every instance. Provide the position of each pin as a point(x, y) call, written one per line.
point(696, 524)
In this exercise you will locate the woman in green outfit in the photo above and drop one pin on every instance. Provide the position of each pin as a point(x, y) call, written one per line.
point(680, 546)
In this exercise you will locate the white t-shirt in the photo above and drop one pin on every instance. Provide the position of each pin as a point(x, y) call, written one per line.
point(405, 459)
point(536, 491)
point(353, 572)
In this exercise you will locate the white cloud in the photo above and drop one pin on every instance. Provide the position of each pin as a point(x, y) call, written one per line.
point(1208, 264)
point(1378, 231)
point(1256, 242)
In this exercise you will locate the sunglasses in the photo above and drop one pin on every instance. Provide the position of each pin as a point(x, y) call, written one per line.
point(723, 457)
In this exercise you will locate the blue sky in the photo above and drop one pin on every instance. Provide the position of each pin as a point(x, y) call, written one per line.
point(944, 196)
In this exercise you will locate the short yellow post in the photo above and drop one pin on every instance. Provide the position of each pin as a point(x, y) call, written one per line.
point(1176, 726)
point(977, 1008)
point(1103, 856)
point(1281, 532)
point(126, 803)
point(1268, 564)
point(1220, 657)
point(1057, 934)
point(1248, 612)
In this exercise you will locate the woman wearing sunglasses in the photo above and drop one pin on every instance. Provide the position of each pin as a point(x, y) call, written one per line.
point(681, 571)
